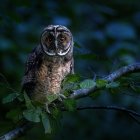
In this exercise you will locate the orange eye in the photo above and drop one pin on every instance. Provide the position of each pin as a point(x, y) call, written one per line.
point(49, 40)
point(62, 39)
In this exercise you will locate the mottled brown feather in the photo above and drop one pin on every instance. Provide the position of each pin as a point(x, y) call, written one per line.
point(45, 78)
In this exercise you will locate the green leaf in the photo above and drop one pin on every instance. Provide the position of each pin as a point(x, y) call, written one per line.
point(72, 78)
point(32, 114)
point(68, 88)
point(21, 97)
point(113, 85)
point(15, 114)
point(46, 122)
point(56, 113)
point(101, 83)
point(88, 83)
point(11, 97)
point(51, 98)
point(28, 102)
point(70, 83)
point(70, 104)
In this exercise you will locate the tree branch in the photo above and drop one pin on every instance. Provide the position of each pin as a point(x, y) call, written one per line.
point(111, 108)
point(16, 132)
point(85, 92)
point(131, 113)
point(111, 77)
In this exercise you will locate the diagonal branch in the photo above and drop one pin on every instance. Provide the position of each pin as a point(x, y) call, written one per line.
point(16, 132)
point(111, 77)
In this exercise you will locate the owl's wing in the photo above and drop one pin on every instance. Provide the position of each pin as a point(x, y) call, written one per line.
point(32, 63)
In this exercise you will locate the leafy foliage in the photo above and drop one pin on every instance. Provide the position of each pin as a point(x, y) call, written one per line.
point(15, 115)
point(32, 114)
point(113, 85)
point(56, 113)
point(37, 113)
point(51, 98)
point(106, 36)
point(28, 102)
point(46, 123)
point(11, 97)
point(70, 83)
point(100, 83)
point(70, 104)
point(88, 83)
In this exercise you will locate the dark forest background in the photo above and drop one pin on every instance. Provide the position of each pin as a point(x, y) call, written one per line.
point(106, 35)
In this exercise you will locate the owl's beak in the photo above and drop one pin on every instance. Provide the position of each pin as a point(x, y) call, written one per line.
point(56, 46)
point(55, 43)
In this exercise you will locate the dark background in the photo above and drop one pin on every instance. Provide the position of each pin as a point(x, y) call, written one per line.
point(107, 36)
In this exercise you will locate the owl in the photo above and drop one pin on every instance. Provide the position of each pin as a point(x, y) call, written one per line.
point(49, 63)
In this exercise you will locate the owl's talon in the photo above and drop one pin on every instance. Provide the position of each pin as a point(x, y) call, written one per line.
point(61, 97)
point(47, 108)
point(53, 104)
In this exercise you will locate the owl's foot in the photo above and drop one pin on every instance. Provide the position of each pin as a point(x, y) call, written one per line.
point(61, 97)
point(47, 108)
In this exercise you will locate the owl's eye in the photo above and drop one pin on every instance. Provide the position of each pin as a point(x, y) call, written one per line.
point(49, 40)
point(62, 38)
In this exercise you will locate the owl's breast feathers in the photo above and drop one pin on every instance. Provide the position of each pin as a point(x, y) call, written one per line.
point(44, 75)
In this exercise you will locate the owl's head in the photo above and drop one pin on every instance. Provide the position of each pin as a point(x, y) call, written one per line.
point(56, 40)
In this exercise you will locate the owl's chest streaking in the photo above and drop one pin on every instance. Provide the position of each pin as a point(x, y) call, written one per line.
point(49, 77)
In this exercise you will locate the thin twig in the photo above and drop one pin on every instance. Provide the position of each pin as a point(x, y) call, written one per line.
point(134, 118)
point(133, 114)
point(111, 108)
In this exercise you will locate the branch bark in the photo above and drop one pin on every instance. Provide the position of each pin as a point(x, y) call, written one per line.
point(16, 132)
point(133, 68)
